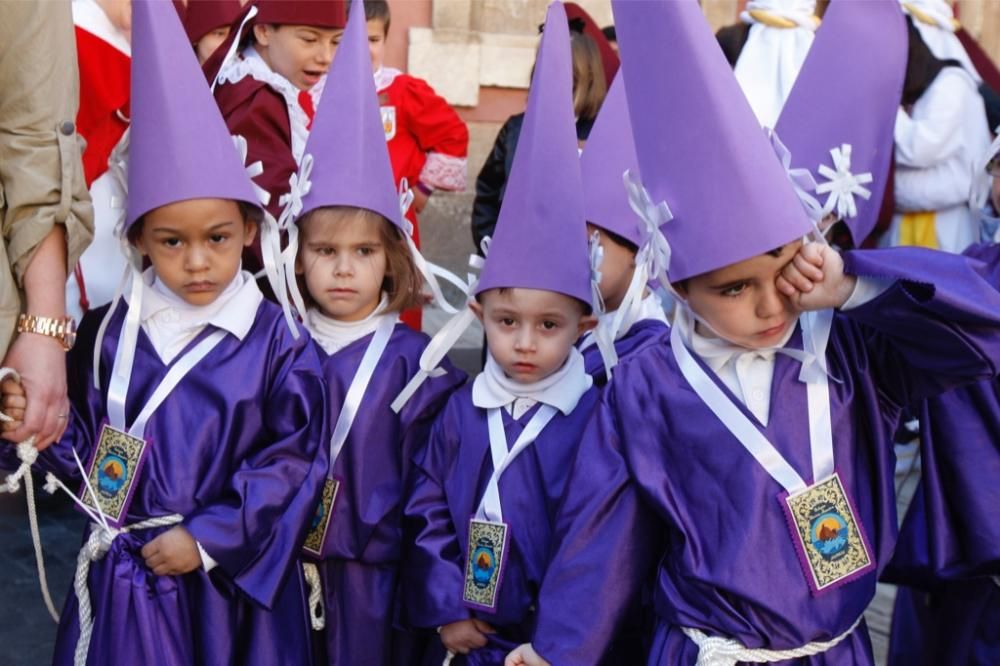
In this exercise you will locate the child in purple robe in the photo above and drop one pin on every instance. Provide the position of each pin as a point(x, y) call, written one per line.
point(479, 516)
point(196, 441)
point(358, 267)
point(743, 465)
point(947, 561)
point(633, 312)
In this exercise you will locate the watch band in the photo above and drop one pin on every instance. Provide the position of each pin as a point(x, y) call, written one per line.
point(62, 329)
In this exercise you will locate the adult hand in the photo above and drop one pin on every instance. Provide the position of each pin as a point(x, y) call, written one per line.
point(41, 363)
point(419, 200)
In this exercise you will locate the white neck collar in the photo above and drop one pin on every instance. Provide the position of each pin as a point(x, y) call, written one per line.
point(562, 389)
point(333, 335)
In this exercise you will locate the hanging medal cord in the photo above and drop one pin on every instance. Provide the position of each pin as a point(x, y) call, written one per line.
point(352, 402)
point(489, 507)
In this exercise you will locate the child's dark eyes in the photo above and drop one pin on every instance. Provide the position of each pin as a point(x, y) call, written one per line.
point(366, 251)
point(549, 325)
point(309, 40)
point(171, 242)
point(324, 251)
point(734, 290)
point(218, 238)
point(507, 321)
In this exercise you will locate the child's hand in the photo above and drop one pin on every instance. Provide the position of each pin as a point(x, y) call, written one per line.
point(12, 404)
point(524, 655)
point(172, 553)
point(465, 635)
point(814, 279)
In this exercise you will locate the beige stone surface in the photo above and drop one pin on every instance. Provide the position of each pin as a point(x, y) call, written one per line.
point(982, 19)
point(449, 61)
point(452, 14)
point(506, 60)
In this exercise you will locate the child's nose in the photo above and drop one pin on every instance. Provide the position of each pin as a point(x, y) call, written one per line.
point(772, 302)
point(524, 339)
point(196, 259)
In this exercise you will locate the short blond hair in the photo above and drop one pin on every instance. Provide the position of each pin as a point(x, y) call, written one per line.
point(589, 85)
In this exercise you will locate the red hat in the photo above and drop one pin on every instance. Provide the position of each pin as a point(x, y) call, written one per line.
point(320, 13)
point(608, 57)
point(203, 16)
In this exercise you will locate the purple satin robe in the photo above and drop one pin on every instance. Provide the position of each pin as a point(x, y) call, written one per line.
point(360, 575)
point(662, 491)
point(951, 531)
point(642, 333)
point(448, 484)
point(239, 449)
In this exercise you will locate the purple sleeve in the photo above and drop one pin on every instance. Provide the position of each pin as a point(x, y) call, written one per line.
point(605, 549)
point(936, 328)
point(256, 527)
point(431, 570)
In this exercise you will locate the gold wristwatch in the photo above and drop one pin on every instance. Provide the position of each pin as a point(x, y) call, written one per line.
point(62, 329)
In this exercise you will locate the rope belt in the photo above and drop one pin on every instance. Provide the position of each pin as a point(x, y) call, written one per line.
point(97, 545)
point(317, 614)
point(716, 651)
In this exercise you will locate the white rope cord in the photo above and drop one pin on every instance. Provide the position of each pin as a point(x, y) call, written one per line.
point(716, 651)
point(448, 658)
point(317, 613)
point(97, 545)
point(27, 454)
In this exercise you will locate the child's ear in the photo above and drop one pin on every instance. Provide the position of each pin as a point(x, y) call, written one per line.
point(477, 308)
point(249, 232)
point(587, 322)
point(140, 245)
point(262, 34)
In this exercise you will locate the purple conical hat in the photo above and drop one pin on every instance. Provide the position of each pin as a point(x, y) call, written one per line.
point(842, 110)
point(609, 152)
point(541, 238)
point(700, 147)
point(179, 146)
point(347, 141)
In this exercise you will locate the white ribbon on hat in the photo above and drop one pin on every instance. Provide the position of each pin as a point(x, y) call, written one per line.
point(842, 185)
point(604, 334)
point(801, 179)
point(253, 170)
point(430, 271)
point(449, 334)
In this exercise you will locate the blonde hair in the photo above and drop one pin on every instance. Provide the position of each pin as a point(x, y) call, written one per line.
point(589, 86)
point(402, 282)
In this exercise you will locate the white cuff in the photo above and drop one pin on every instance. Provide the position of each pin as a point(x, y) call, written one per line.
point(207, 563)
point(866, 289)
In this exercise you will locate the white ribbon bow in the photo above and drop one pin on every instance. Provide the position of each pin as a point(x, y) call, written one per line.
point(654, 251)
point(253, 170)
point(801, 179)
point(842, 184)
point(299, 186)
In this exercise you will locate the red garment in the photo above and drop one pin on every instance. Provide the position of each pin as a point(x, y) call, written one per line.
point(104, 100)
point(427, 143)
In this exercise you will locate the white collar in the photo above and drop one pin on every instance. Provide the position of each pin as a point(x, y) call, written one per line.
point(333, 335)
point(235, 310)
point(384, 77)
point(250, 63)
point(562, 389)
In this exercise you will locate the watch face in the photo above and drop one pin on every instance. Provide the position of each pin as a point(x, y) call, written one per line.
point(69, 339)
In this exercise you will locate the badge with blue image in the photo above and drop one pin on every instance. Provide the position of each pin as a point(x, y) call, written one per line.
point(113, 472)
point(484, 566)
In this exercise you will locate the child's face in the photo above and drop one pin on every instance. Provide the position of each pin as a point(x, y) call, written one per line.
point(530, 331)
point(616, 269)
point(343, 261)
point(206, 46)
point(300, 53)
point(376, 42)
point(741, 302)
point(196, 246)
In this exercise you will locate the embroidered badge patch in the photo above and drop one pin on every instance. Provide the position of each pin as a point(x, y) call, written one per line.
point(321, 519)
point(388, 121)
point(484, 567)
point(113, 471)
point(827, 535)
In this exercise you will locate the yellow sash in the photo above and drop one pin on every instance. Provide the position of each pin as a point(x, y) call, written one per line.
point(775, 21)
point(918, 229)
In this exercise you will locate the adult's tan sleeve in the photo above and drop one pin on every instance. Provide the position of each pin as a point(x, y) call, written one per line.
point(41, 172)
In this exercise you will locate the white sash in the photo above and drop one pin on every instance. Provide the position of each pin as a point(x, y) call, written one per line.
point(359, 384)
point(743, 429)
point(489, 506)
